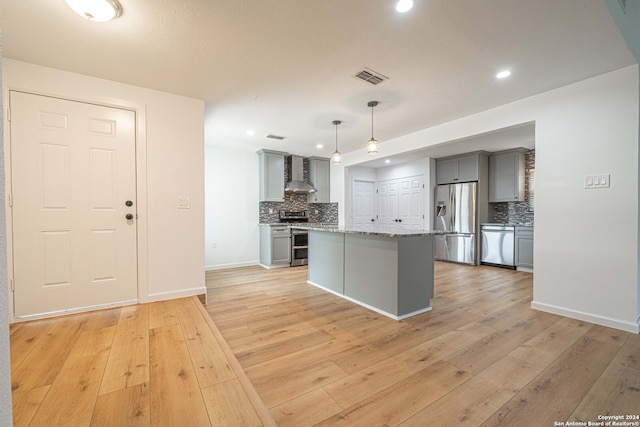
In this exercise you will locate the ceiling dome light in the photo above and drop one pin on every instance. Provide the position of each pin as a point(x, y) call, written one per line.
point(404, 6)
point(336, 157)
point(372, 145)
point(503, 74)
point(96, 10)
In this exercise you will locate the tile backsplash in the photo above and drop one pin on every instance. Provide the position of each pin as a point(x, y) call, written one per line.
point(520, 212)
point(318, 212)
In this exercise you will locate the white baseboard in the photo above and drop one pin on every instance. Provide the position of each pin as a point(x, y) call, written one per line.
point(525, 269)
point(232, 265)
point(73, 311)
point(269, 267)
point(162, 296)
point(588, 317)
point(377, 310)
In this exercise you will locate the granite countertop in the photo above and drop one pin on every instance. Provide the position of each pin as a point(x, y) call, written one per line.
point(291, 224)
point(510, 224)
point(400, 233)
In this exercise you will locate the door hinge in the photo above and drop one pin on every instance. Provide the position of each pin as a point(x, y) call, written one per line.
point(8, 114)
point(13, 285)
point(10, 200)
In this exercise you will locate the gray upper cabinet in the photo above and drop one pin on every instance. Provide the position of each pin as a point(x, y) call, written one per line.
point(506, 176)
point(457, 169)
point(319, 168)
point(271, 175)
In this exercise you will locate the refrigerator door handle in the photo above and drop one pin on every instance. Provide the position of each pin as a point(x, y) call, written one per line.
point(452, 202)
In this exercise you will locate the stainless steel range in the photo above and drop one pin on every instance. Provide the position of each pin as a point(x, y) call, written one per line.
point(299, 238)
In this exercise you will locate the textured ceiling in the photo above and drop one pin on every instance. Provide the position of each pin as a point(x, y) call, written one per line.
point(286, 66)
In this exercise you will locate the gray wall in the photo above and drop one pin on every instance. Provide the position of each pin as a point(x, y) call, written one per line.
point(5, 368)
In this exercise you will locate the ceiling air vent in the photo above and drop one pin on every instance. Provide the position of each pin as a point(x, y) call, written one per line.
point(370, 76)
point(278, 137)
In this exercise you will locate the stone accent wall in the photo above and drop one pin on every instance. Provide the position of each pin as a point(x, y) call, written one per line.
point(318, 212)
point(519, 212)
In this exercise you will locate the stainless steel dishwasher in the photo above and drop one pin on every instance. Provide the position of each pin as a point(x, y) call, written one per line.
point(498, 244)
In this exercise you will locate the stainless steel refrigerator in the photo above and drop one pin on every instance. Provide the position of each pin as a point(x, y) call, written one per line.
point(456, 212)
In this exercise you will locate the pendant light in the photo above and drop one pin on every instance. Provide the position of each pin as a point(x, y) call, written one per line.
point(372, 145)
point(336, 157)
point(96, 10)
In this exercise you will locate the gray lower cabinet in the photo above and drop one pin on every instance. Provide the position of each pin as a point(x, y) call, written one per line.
point(275, 246)
point(524, 247)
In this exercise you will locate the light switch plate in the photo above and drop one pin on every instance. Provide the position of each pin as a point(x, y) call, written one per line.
point(184, 203)
point(597, 181)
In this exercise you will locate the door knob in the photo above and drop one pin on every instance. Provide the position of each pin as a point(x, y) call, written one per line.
point(372, 219)
point(128, 203)
point(129, 216)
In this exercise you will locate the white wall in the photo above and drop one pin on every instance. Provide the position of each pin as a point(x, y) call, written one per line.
point(170, 150)
point(5, 359)
point(231, 188)
point(586, 241)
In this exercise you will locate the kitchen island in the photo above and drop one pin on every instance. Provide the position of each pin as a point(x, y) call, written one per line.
point(388, 272)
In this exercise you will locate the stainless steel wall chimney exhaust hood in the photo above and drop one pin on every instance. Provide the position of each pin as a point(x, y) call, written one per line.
point(296, 184)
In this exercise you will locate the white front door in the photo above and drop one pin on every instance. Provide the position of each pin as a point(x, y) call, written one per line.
point(73, 177)
point(363, 213)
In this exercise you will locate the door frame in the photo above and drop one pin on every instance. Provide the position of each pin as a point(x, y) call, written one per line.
point(139, 111)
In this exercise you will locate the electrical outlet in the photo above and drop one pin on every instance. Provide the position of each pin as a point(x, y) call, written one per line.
point(597, 181)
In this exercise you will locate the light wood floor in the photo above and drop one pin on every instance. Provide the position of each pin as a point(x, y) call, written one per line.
point(481, 357)
point(160, 364)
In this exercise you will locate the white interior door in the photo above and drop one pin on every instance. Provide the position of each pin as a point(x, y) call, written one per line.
point(410, 203)
point(73, 174)
point(388, 204)
point(363, 214)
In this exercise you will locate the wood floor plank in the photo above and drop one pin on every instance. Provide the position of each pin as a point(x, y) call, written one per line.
point(72, 396)
point(617, 390)
point(128, 363)
point(162, 313)
point(172, 375)
point(124, 407)
point(360, 385)
point(473, 402)
point(306, 410)
point(26, 403)
point(629, 354)
point(277, 389)
point(282, 347)
point(228, 405)
point(41, 365)
point(545, 347)
point(487, 351)
point(567, 379)
point(403, 399)
point(25, 336)
point(211, 365)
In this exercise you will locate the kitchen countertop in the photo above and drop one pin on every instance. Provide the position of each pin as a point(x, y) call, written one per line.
point(291, 224)
point(401, 233)
point(510, 224)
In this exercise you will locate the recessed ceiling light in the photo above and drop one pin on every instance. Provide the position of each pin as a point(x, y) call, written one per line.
point(319, 146)
point(404, 6)
point(503, 74)
point(249, 132)
point(96, 10)
point(387, 161)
